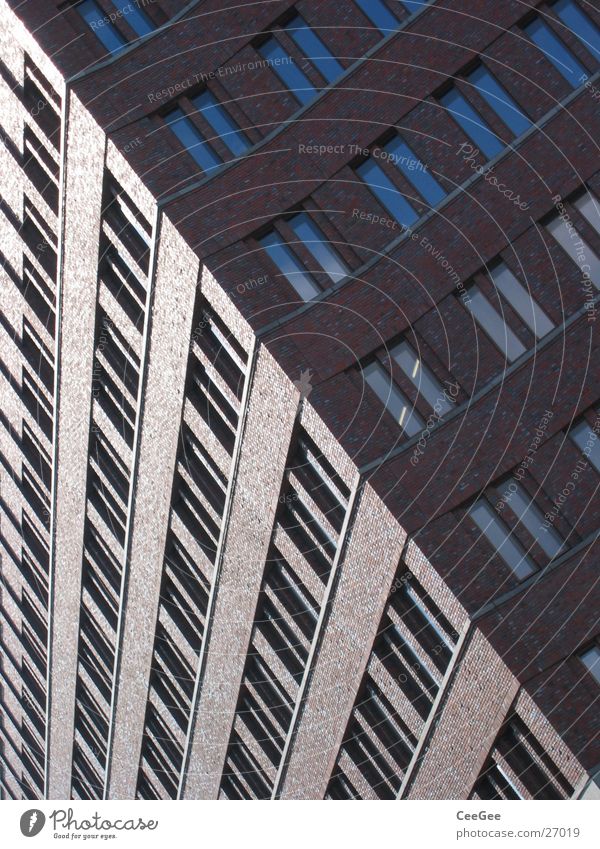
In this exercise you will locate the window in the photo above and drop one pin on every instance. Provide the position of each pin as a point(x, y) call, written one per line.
point(427, 385)
point(591, 660)
point(394, 400)
point(287, 71)
point(493, 324)
point(531, 517)
point(586, 439)
point(102, 28)
point(587, 205)
point(121, 211)
point(521, 301)
point(556, 52)
point(137, 19)
point(389, 195)
point(290, 266)
point(415, 172)
point(313, 49)
point(501, 539)
point(316, 244)
point(42, 102)
point(315, 241)
point(562, 229)
point(379, 14)
point(191, 138)
point(222, 123)
point(580, 24)
point(472, 123)
point(386, 192)
point(499, 100)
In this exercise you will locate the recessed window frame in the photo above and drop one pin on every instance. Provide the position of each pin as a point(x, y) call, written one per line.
point(554, 50)
point(301, 75)
point(297, 261)
point(470, 121)
point(590, 658)
point(500, 536)
point(571, 226)
point(495, 94)
point(583, 436)
point(394, 400)
point(520, 299)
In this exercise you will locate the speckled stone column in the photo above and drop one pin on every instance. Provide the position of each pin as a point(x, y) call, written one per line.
point(172, 312)
point(77, 311)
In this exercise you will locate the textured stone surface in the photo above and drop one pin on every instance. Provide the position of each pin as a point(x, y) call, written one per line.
point(168, 346)
point(76, 350)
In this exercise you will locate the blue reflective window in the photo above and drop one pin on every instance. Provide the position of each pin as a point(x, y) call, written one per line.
point(580, 25)
point(414, 171)
point(387, 193)
point(413, 6)
point(314, 49)
point(222, 123)
point(499, 100)
point(379, 14)
point(290, 266)
point(316, 242)
point(287, 71)
point(99, 24)
point(192, 139)
point(137, 19)
point(556, 52)
point(472, 123)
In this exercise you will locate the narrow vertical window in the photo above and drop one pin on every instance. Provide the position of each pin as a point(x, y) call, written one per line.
point(394, 400)
point(501, 539)
point(556, 52)
point(499, 100)
point(472, 123)
point(493, 324)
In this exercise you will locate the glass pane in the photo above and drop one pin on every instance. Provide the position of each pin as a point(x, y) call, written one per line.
point(379, 13)
point(579, 251)
point(287, 70)
point(222, 123)
point(418, 602)
point(387, 193)
point(315, 242)
point(589, 207)
point(498, 535)
point(290, 266)
point(413, 6)
point(588, 443)
point(580, 25)
point(191, 138)
point(395, 401)
point(493, 324)
point(418, 373)
point(472, 123)
point(313, 49)
point(591, 658)
point(556, 52)
point(532, 518)
point(414, 171)
point(499, 100)
point(129, 214)
point(102, 29)
point(137, 19)
point(521, 301)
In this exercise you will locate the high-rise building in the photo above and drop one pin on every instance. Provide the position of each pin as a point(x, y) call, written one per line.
point(300, 391)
